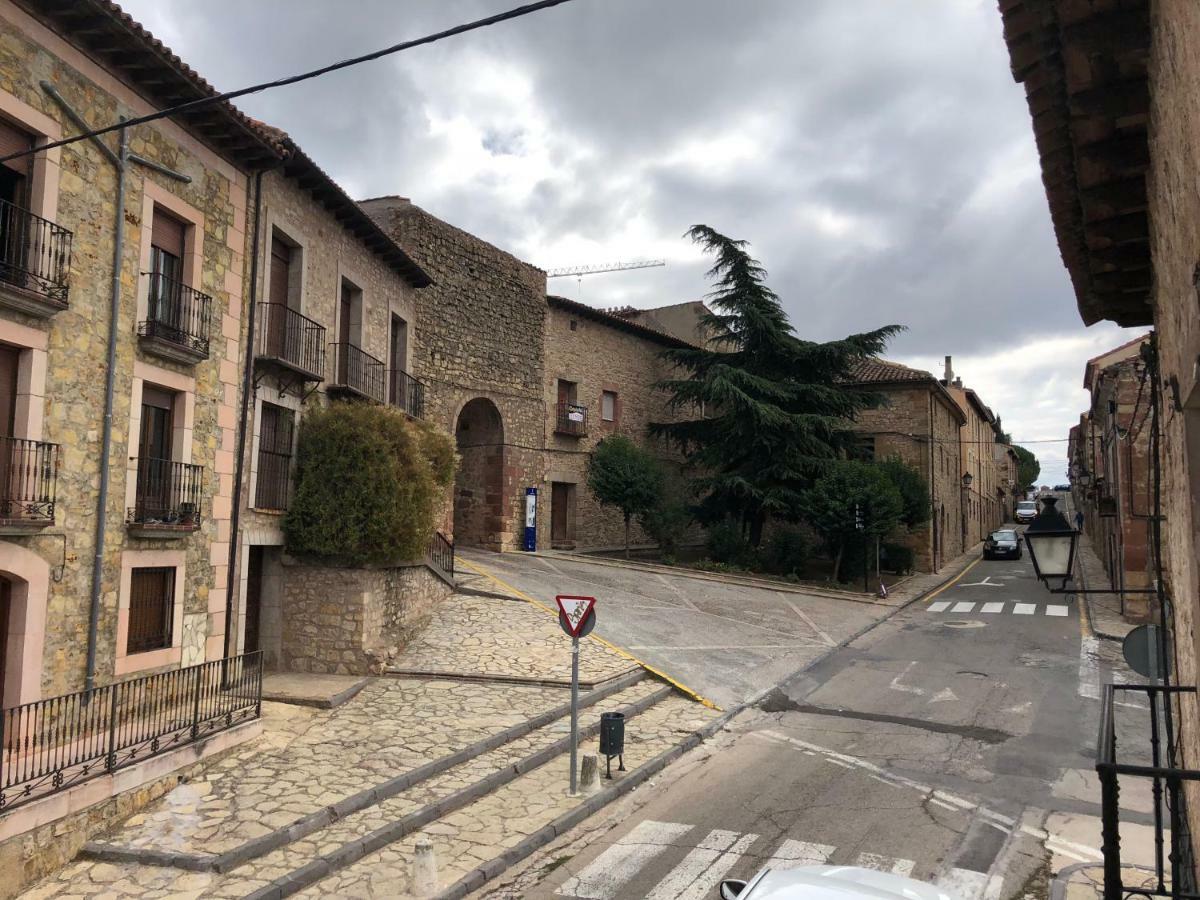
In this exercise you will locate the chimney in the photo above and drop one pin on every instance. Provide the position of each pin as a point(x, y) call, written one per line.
point(949, 377)
point(958, 382)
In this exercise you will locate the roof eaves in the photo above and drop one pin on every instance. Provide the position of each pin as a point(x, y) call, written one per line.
point(618, 322)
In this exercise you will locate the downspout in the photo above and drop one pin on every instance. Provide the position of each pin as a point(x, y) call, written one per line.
point(937, 538)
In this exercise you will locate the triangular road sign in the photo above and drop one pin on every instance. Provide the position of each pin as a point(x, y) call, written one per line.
point(575, 610)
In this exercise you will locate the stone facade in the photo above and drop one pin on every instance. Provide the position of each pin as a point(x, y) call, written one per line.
point(919, 422)
point(984, 509)
point(482, 354)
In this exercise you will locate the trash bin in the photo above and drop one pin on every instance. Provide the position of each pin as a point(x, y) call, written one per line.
point(612, 740)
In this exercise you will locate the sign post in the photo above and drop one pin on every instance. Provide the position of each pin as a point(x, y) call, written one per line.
point(530, 542)
point(577, 616)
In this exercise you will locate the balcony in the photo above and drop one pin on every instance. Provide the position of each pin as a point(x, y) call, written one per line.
point(166, 500)
point(406, 393)
point(28, 482)
point(35, 262)
point(290, 341)
point(357, 373)
point(571, 420)
point(177, 321)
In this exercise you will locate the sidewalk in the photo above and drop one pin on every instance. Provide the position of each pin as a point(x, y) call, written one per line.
point(1103, 610)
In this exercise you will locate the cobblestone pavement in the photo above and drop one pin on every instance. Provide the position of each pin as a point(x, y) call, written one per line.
point(486, 636)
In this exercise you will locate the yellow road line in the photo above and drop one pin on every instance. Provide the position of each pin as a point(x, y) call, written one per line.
point(479, 570)
point(953, 581)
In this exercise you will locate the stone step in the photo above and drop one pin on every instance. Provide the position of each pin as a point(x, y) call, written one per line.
point(144, 843)
point(470, 823)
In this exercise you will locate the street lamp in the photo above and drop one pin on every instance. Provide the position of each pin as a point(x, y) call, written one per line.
point(1084, 478)
point(967, 479)
point(1051, 541)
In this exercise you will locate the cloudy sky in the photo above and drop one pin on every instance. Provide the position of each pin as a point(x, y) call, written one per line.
point(876, 153)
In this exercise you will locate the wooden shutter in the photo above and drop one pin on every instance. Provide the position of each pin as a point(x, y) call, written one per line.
point(167, 233)
point(151, 609)
point(10, 361)
point(281, 260)
point(14, 140)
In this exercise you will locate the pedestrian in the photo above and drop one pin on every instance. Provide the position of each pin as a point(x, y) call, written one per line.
point(1079, 520)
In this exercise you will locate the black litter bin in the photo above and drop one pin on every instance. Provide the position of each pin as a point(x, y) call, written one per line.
point(612, 740)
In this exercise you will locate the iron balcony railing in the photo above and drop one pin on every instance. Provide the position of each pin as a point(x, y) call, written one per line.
point(441, 554)
point(177, 313)
point(1174, 871)
point(51, 745)
point(28, 482)
point(357, 371)
point(35, 253)
point(167, 495)
point(406, 393)
point(571, 419)
point(292, 340)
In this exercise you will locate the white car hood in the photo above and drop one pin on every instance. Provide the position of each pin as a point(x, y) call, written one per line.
point(839, 883)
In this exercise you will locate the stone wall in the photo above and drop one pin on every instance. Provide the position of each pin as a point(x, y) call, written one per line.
point(480, 333)
point(350, 621)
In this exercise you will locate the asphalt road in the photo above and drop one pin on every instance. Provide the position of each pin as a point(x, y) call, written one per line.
point(726, 642)
point(953, 742)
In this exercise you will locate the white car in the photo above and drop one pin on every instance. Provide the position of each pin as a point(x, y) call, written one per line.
point(1026, 511)
point(830, 883)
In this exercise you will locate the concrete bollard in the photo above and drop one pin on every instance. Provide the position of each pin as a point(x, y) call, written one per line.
point(424, 869)
point(589, 780)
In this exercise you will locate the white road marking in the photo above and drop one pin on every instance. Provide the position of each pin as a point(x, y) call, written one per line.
point(987, 582)
point(698, 873)
point(963, 607)
point(1052, 610)
point(1089, 668)
point(992, 608)
point(885, 864)
point(906, 688)
point(1024, 609)
point(943, 696)
point(724, 646)
point(678, 593)
point(994, 886)
point(940, 606)
point(964, 884)
point(791, 854)
point(604, 878)
point(811, 624)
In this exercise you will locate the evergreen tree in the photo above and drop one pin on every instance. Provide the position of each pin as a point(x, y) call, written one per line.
point(912, 487)
point(770, 409)
point(1028, 468)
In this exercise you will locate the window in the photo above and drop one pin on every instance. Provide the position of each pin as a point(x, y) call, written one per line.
point(167, 235)
point(151, 609)
point(864, 448)
point(608, 406)
point(276, 426)
point(566, 391)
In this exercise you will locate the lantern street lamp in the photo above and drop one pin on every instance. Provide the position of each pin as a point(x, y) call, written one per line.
point(1051, 541)
point(1084, 478)
point(967, 479)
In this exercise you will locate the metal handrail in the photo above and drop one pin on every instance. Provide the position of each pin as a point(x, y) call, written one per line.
point(35, 253)
point(28, 481)
point(288, 337)
point(441, 553)
point(176, 313)
point(167, 494)
point(406, 392)
point(358, 371)
point(571, 419)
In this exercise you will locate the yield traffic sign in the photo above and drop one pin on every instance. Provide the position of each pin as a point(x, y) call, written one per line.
point(575, 612)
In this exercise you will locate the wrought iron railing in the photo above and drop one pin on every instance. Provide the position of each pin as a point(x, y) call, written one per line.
point(441, 553)
point(177, 313)
point(167, 494)
point(571, 419)
point(406, 393)
point(356, 370)
point(50, 745)
point(1173, 873)
point(271, 489)
point(28, 482)
point(287, 337)
point(35, 253)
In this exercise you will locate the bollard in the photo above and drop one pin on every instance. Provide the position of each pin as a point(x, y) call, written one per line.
point(589, 778)
point(424, 869)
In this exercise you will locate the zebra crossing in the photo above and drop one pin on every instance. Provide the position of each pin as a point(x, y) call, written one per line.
point(696, 876)
point(998, 607)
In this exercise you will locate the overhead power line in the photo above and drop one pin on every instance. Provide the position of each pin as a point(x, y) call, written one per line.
point(202, 102)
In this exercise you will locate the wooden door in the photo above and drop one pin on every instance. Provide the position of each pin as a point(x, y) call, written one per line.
point(254, 567)
point(154, 452)
point(345, 310)
point(280, 298)
point(5, 634)
point(397, 361)
point(16, 457)
point(560, 496)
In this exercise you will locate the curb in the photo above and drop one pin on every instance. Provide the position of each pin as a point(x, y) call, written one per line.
point(331, 702)
point(315, 821)
point(351, 852)
point(506, 679)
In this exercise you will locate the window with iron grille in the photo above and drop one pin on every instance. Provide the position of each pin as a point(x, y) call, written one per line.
point(276, 427)
point(151, 609)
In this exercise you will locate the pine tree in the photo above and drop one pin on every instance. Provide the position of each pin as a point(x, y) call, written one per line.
point(770, 411)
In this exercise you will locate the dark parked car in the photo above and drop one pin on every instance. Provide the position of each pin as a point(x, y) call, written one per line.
point(1002, 545)
point(1062, 487)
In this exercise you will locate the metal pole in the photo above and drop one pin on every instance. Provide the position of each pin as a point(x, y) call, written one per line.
point(574, 716)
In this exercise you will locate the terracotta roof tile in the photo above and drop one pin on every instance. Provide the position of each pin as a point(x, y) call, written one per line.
point(872, 370)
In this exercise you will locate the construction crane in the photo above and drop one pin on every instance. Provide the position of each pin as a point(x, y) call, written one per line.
point(580, 271)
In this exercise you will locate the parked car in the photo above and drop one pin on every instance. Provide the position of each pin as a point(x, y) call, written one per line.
point(1003, 544)
point(1026, 511)
point(1062, 487)
point(830, 883)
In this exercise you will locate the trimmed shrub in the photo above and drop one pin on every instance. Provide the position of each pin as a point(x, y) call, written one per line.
point(368, 483)
point(897, 558)
point(787, 551)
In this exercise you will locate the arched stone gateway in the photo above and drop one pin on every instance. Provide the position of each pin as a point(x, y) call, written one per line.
point(479, 519)
point(24, 583)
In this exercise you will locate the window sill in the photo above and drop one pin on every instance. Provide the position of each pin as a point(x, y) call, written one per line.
point(151, 659)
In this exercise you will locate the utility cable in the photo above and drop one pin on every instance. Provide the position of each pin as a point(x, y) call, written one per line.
point(202, 102)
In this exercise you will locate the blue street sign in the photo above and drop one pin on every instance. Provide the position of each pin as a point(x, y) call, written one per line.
point(531, 518)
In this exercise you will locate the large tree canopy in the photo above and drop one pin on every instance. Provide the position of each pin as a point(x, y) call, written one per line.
point(1028, 468)
point(769, 411)
point(624, 475)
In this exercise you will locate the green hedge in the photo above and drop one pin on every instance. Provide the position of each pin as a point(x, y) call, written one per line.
point(368, 485)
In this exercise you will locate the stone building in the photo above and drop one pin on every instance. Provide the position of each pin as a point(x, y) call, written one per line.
point(1114, 94)
point(482, 357)
point(919, 422)
point(1008, 476)
point(600, 379)
point(1111, 475)
point(685, 321)
point(159, 577)
point(983, 495)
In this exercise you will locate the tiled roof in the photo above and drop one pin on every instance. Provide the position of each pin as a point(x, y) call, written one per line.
point(872, 370)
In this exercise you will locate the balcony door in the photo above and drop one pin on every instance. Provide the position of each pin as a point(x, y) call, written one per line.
point(166, 273)
point(398, 356)
point(5, 632)
point(280, 295)
point(154, 451)
point(345, 314)
point(14, 200)
point(12, 463)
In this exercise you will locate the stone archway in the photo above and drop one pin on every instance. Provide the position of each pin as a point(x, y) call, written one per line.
point(479, 483)
point(23, 598)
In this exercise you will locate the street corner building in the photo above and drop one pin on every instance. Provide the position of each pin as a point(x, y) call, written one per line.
point(1113, 90)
